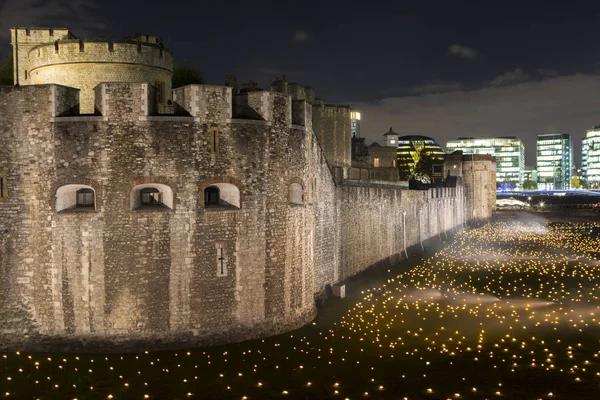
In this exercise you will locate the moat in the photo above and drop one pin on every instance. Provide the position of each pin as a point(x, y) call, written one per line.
point(508, 310)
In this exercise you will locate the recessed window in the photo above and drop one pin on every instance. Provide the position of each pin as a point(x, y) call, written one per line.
point(211, 196)
point(3, 188)
point(221, 196)
point(296, 194)
point(151, 197)
point(75, 197)
point(376, 162)
point(160, 90)
point(214, 139)
point(84, 198)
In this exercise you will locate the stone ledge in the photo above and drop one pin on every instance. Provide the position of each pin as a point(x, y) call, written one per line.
point(82, 118)
point(167, 118)
point(139, 342)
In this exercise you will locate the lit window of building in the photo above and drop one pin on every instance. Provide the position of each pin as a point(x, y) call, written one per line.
point(413, 148)
point(590, 158)
point(554, 161)
point(355, 123)
point(509, 152)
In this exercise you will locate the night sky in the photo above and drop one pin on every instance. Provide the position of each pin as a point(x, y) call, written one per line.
point(442, 69)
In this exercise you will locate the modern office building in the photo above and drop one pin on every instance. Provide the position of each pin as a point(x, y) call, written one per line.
point(509, 152)
point(554, 161)
point(590, 158)
point(413, 148)
point(530, 174)
point(355, 123)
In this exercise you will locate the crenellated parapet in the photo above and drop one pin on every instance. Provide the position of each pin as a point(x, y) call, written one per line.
point(99, 51)
point(46, 55)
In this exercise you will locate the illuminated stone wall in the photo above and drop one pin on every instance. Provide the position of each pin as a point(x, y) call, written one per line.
point(479, 174)
point(122, 274)
point(83, 64)
point(332, 125)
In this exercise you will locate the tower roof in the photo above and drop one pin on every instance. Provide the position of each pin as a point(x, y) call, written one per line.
point(390, 132)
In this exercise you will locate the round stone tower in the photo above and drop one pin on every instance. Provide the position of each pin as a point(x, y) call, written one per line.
point(44, 55)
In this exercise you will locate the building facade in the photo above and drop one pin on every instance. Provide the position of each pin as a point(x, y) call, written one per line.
point(414, 148)
point(554, 161)
point(355, 123)
point(590, 158)
point(508, 151)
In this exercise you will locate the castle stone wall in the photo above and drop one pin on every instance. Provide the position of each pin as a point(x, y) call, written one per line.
point(25, 39)
point(479, 172)
point(332, 126)
point(43, 59)
point(189, 272)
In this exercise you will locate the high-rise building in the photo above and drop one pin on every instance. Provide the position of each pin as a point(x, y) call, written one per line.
point(355, 123)
point(530, 174)
point(590, 158)
point(554, 161)
point(414, 148)
point(509, 152)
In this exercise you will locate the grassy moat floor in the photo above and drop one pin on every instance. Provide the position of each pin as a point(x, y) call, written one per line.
point(509, 310)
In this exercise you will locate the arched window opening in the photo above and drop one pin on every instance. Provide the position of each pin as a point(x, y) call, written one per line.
point(212, 195)
point(296, 194)
point(151, 197)
point(75, 198)
point(84, 198)
point(222, 196)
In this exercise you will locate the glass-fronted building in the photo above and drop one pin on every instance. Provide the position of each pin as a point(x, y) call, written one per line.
point(554, 161)
point(355, 123)
point(413, 148)
point(590, 158)
point(509, 152)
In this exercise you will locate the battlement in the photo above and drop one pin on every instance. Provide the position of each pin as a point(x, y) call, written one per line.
point(96, 50)
point(145, 38)
point(24, 35)
point(45, 55)
point(295, 90)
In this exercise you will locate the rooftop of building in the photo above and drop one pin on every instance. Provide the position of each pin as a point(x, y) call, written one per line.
point(416, 137)
point(390, 132)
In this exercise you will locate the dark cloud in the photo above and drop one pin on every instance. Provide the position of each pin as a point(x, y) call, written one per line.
point(81, 16)
point(300, 36)
point(510, 77)
point(546, 72)
point(563, 104)
point(429, 87)
point(462, 51)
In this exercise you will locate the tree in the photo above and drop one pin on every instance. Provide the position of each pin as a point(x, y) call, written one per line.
point(575, 183)
point(6, 70)
point(530, 185)
point(423, 168)
point(186, 73)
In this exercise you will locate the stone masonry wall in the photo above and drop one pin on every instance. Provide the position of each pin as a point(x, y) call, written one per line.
point(188, 272)
point(84, 64)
